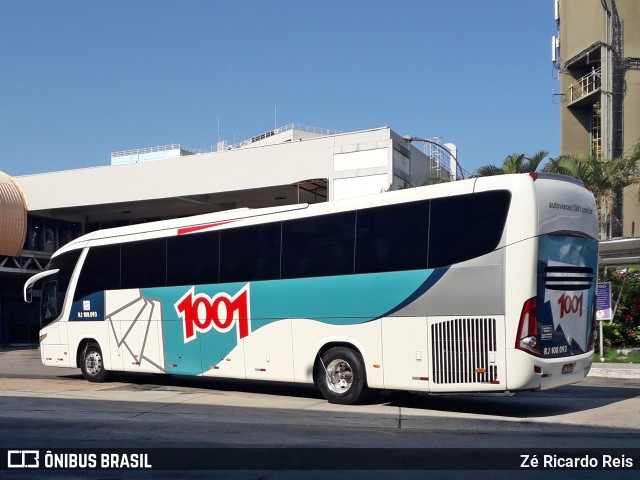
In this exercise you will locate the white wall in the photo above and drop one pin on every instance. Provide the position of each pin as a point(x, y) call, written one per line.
point(360, 186)
point(224, 171)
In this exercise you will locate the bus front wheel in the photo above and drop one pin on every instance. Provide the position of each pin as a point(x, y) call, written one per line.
point(340, 376)
point(93, 365)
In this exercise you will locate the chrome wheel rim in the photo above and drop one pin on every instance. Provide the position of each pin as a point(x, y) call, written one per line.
point(93, 363)
point(339, 376)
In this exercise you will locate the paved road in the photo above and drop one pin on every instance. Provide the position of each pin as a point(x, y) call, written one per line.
point(49, 408)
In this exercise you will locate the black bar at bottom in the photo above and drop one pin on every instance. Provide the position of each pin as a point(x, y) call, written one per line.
point(321, 459)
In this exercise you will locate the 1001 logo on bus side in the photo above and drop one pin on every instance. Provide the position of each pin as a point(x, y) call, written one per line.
point(200, 313)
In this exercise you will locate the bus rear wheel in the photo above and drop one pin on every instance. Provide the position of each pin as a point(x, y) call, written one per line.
point(340, 376)
point(92, 365)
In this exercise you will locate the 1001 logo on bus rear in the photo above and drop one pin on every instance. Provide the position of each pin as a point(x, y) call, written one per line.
point(570, 304)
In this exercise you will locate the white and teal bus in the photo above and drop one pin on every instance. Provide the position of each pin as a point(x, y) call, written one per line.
point(480, 285)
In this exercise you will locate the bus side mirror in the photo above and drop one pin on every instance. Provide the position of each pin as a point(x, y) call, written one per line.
point(28, 287)
point(28, 294)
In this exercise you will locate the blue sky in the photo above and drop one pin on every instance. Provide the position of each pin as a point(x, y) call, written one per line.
point(80, 79)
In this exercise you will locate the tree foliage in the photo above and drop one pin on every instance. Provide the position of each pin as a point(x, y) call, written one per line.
point(605, 178)
point(624, 330)
point(514, 163)
point(602, 176)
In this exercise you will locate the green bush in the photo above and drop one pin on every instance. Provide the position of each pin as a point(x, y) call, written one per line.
point(612, 336)
point(624, 330)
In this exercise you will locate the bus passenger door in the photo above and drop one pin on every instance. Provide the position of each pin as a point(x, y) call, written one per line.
point(405, 353)
point(55, 348)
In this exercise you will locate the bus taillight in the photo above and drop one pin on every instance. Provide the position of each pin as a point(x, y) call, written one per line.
point(527, 338)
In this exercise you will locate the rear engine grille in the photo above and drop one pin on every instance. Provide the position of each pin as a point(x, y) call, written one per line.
point(461, 351)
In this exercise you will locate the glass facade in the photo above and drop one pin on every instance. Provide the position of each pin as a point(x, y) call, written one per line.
point(48, 235)
point(19, 321)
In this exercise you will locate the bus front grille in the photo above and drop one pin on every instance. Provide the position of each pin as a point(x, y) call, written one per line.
point(463, 350)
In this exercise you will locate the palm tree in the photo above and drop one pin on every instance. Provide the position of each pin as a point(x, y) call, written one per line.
point(605, 178)
point(488, 171)
point(514, 163)
point(533, 163)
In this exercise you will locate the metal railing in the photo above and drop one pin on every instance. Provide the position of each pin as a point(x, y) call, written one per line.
point(276, 131)
point(160, 148)
point(585, 85)
point(222, 144)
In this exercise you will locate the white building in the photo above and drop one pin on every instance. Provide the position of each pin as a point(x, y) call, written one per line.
point(288, 165)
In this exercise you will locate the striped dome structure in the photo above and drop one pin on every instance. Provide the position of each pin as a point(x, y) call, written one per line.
point(13, 216)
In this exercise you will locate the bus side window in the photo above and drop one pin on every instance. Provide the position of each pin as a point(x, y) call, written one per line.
point(318, 246)
point(100, 272)
point(49, 305)
point(143, 263)
point(250, 253)
point(393, 237)
point(193, 259)
point(466, 226)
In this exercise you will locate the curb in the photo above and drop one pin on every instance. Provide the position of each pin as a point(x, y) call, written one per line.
point(615, 372)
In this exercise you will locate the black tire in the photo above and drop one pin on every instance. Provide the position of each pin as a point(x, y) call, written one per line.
point(92, 364)
point(340, 376)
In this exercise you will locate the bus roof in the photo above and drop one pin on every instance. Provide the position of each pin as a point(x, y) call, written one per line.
point(162, 228)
